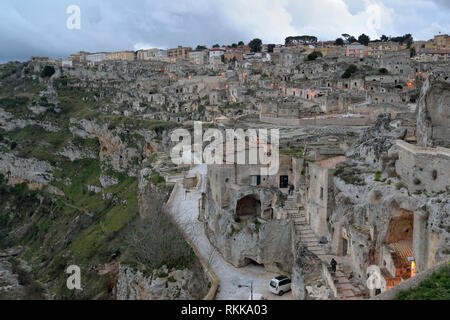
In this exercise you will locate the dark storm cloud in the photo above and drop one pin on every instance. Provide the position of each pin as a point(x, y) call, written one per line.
point(443, 3)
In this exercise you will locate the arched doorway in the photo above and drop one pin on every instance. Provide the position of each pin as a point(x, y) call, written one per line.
point(248, 206)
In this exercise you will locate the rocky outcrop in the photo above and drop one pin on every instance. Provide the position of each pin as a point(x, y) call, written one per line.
point(74, 152)
point(242, 240)
point(9, 123)
point(377, 140)
point(162, 284)
point(111, 146)
point(306, 266)
point(25, 169)
point(433, 114)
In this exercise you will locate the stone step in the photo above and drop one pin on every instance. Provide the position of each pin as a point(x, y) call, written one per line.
point(312, 244)
point(309, 236)
point(354, 298)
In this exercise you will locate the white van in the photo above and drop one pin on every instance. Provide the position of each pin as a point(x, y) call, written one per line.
point(280, 285)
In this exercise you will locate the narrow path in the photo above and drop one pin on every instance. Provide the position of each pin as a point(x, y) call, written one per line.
point(346, 290)
point(184, 208)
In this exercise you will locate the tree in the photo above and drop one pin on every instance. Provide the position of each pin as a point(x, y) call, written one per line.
point(314, 55)
point(255, 45)
point(234, 45)
point(383, 71)
point(289, 41)
point(346, 36)
point(350, 70)
point(364, 39)
point(270, 47)
point(412, 52)
point(216, 45)
point(352, 39)
point(409, 42)
point(402, 39)
point(384, 38)
point(339, 42)
point(47, 72)
point(200, 48)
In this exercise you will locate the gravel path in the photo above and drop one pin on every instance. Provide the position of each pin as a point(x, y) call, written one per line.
point(185, 209)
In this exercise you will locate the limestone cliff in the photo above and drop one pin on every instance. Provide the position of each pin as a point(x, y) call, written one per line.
point(433, 114)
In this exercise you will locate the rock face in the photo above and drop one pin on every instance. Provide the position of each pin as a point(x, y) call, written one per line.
point(10, 286)
point(433, 114)
point(306, 265)
point(377, 140)
point(376, 209)
point(33, 171)
point(245, 239)
point(161, 285)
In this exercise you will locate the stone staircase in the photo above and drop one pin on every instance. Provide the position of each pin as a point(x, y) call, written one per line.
point(303, 231)
point(304, 234)
point(346, 290)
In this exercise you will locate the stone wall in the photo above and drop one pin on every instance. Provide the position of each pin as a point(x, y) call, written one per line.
point(423, 168)
point(350, 121)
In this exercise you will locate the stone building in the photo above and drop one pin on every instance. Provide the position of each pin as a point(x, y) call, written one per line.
point(122, 55)
point(319, 203)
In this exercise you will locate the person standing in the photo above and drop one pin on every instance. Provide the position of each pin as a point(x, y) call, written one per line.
point(333, 264)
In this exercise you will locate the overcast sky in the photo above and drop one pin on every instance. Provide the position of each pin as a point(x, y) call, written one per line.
point(38, 27)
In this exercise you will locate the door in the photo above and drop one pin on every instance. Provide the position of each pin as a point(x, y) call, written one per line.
point(284, 181)
point(344, 247)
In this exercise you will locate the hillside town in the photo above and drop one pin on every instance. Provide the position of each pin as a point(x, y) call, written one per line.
point(358, 209)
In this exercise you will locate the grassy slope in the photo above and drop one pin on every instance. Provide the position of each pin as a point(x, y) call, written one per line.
point(436, 287)
point(81, 228)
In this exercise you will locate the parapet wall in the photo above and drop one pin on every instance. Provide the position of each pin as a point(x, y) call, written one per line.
point(422, 168)
point(350, 121)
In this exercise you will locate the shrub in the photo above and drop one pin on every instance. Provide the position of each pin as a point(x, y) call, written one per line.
point(377, 176)
point(350, 70)
point(314, 55)
point(47, 72)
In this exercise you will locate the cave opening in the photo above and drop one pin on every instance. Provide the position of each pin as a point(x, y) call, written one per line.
point(399, 239)
point(248, 206)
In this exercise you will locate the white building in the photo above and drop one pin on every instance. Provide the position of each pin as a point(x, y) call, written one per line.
point(97, 57)
point(216, 52)
point(66, 62)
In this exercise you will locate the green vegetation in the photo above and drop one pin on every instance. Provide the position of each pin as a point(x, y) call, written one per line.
point(294, 152)
point(377, 176)
point(255, 45)
point(339, 42)
point(436, 287)
point(314, 55)
point(350, 174)
point(349, 72)
point(364, 39)
point(47, 72)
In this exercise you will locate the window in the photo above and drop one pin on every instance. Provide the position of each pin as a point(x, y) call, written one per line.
point(321, 193)
point(255, 180)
